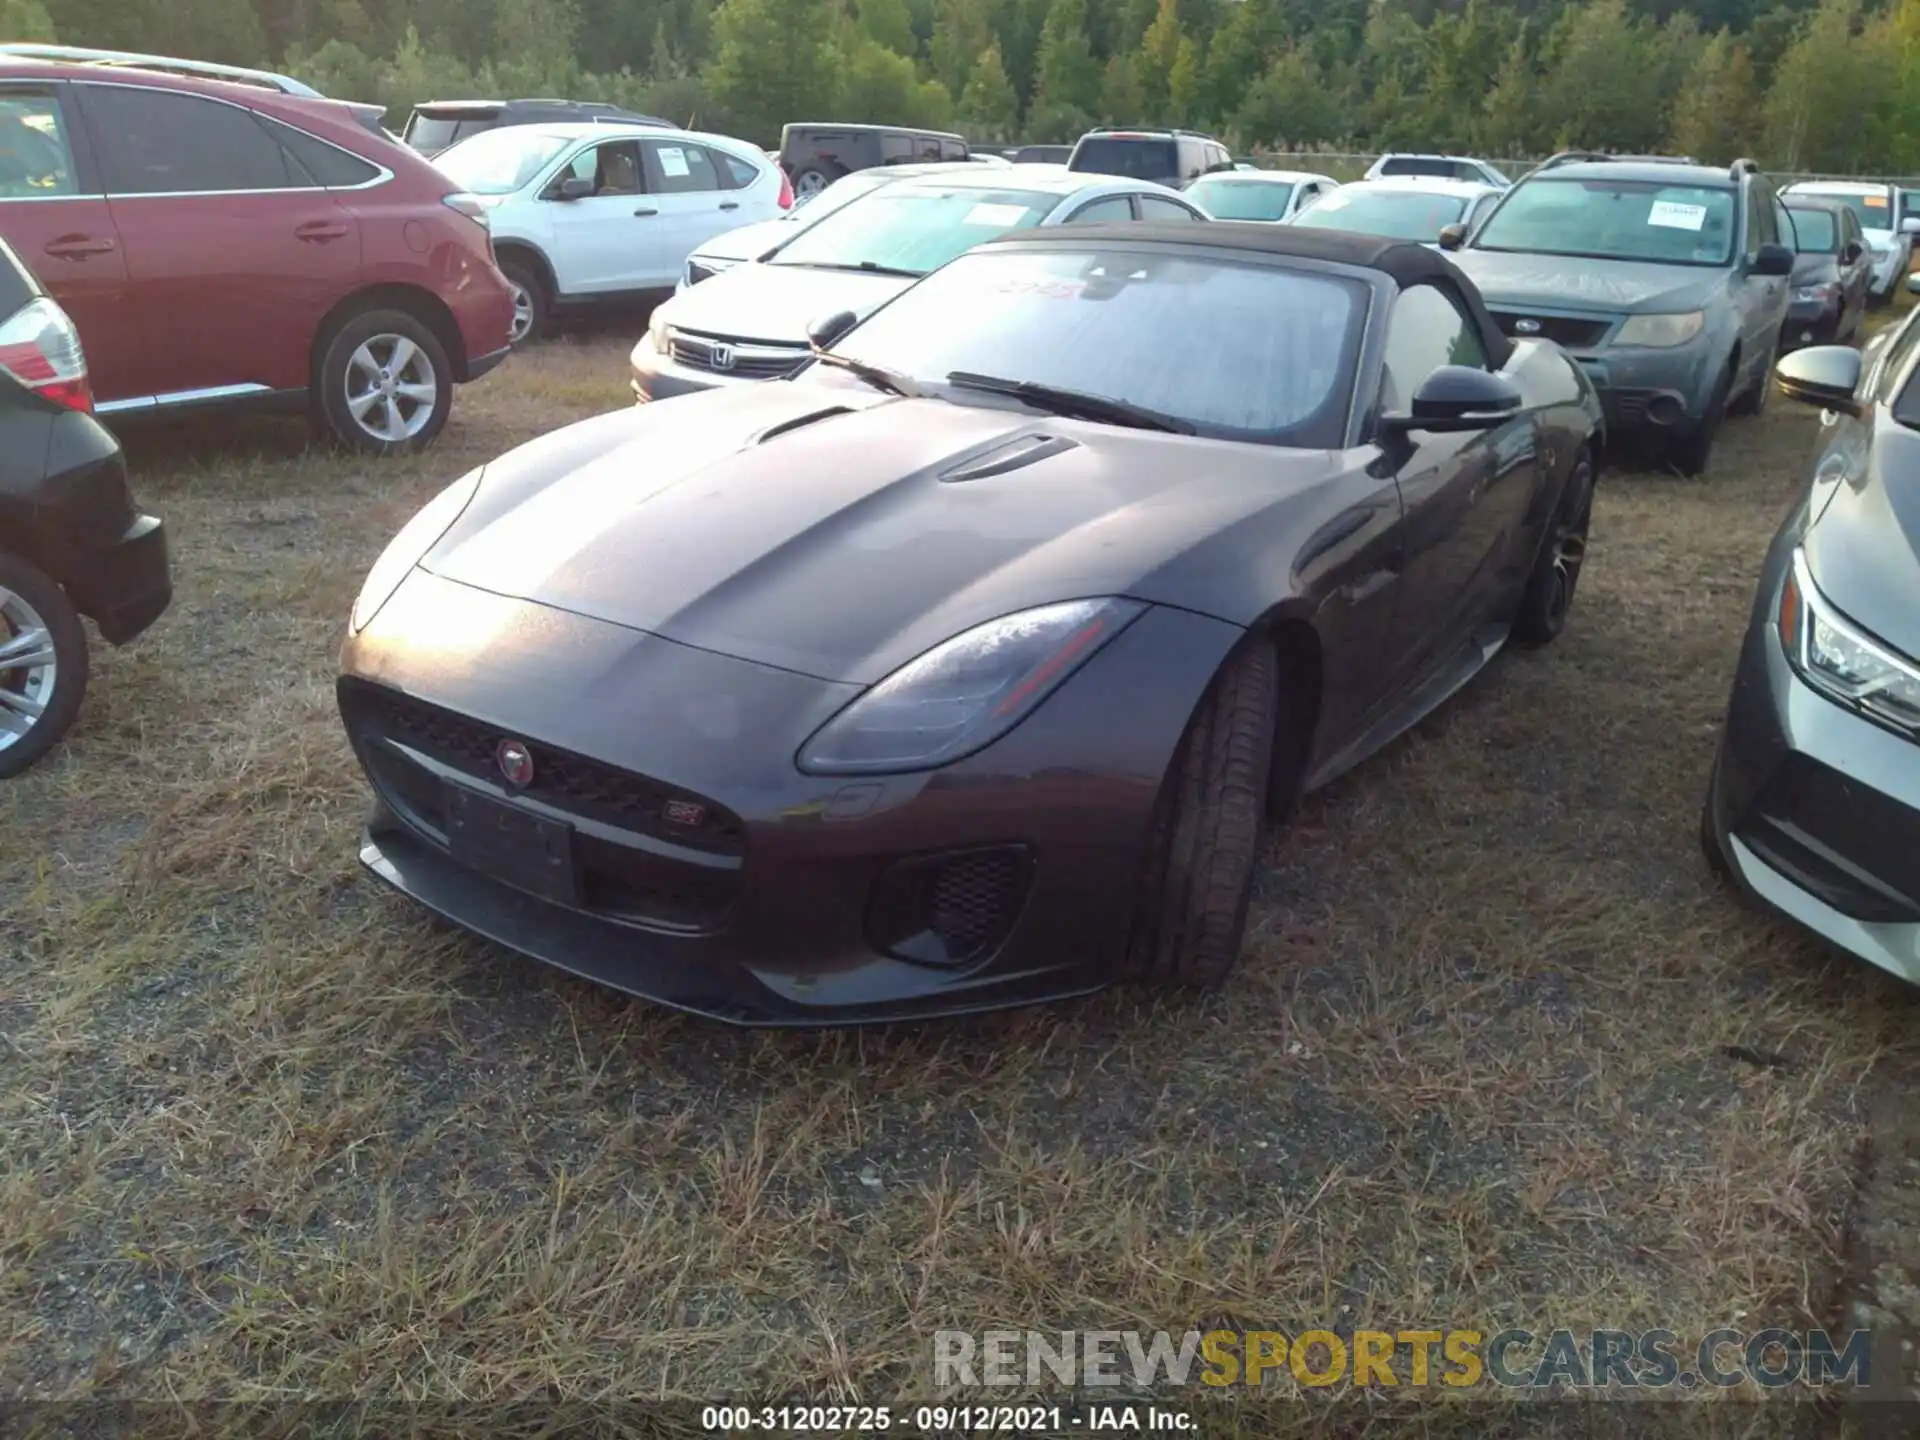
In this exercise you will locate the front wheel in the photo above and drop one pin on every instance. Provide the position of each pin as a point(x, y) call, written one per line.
point(1549, 593)
point(1754, 401)
point(1691, 452)
point(385, 384)
point(43, 664)
point(530, 303)
point(1197, 876)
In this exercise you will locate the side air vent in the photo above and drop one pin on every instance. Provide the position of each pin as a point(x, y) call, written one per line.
point(1011, 455)
point(787, 427)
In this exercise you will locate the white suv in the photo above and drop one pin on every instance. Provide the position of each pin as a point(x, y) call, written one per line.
point(1888, 231)
point(588, 212)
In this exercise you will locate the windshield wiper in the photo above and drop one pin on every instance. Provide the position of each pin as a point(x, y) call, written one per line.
point(877, 376)
point(1074, 403)
point(864, 267)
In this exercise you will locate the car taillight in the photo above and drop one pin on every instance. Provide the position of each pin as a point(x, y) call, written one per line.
point(786, 191)
point(40, 348)
point(470, 207)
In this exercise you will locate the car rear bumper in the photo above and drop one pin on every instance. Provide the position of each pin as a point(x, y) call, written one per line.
point(1817, 811)
point(786, 899)
point(483, 310)
point(128, 586)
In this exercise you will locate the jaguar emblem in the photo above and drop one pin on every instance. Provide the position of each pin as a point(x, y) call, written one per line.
point(516, 763)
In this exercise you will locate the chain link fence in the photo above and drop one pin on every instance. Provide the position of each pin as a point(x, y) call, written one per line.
point(1345, 166)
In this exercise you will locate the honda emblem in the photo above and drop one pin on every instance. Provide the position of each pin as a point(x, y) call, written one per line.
point(516, 763)
point(722, 357)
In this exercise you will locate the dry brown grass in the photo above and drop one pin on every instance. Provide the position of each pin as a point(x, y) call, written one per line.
point(266, 1132)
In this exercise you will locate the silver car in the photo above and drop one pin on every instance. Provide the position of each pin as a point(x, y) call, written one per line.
point(1888, 229)
point(750, 322)
point(1414, 209)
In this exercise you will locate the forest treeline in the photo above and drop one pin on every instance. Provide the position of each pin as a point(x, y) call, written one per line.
point(1828, 86)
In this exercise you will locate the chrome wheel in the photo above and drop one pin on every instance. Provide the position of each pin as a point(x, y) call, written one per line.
point(391, 387)
point(1570, 546)
point(807, 184)
point(522, 311)
point(29, 668)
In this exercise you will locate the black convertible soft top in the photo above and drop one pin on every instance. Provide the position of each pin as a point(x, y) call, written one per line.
point(1405, 261)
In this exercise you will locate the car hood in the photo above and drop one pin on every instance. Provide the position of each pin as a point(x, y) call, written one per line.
point(1507, 280)
point(838, 532)
point(776, 302)
point(749, 242)
point(1864, 547)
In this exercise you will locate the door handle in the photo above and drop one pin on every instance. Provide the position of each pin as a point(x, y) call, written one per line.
point(643, 213)
point(321, 230)
point(730, 205)
point(79, 247)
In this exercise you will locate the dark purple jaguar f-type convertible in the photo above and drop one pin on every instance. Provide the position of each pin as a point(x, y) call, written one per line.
point(965, 668)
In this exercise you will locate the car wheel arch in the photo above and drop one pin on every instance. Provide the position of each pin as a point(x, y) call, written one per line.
point(532, 254)
point(1298, 654)
point(426, 307)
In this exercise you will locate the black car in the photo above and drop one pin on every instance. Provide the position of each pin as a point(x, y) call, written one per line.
point(815, 155)
point(1814, 803)
point(1167, 157)
point(72, 541)
point(437, 124)
point(1832, 272)
point(964, 669)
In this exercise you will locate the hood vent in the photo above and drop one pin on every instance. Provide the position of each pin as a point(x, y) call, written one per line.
point(785, 427)
point(1009, 455)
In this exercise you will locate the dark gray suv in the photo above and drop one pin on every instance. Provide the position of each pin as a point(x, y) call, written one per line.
point(1668, 281)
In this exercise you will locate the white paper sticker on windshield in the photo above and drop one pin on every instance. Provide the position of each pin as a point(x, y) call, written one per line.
point(673, 161)
point(1675, 216)
point(1001, 215)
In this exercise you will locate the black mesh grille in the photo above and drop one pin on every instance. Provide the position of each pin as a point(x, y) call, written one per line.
point(1575, 333)
point(562, 779)
point(1808, 819)
point(971, 898)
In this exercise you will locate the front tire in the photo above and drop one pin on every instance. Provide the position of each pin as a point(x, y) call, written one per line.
point(385, 384)
point(1197, 877)
point(1548, 598)
point(1754, 401)
point(43, 664)
point(1692, 452)
point(532, 306)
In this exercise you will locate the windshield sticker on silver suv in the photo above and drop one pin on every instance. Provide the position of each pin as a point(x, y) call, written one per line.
point(1675, 216)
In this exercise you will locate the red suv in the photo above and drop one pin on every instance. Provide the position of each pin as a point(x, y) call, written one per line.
point(217, 244)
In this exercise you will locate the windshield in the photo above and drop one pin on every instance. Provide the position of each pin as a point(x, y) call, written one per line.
point(437, 132)
point(499, 161)
point(1242, 199)
point(843, 191)
point(914, 229)
point(1168, 333)
point(1398, 214)
point(1871, 210)
point(1615, 220)
point(1817, 231)
point(1135, 159)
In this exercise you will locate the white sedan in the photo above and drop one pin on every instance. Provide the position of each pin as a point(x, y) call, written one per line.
point(1270, 195)
point(1411, 209)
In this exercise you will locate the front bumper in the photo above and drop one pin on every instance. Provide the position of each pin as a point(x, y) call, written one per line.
point(801, 902)
point(1810, 322)
point(1652, 392)
point(657, 376)
point(1817, 811)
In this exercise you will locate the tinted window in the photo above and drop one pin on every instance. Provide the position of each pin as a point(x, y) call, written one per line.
point(34, 156)
point(735, 173)
point(1816, 231)
point(1402, 214)
point(1114, 207)
point(500, 161)
point(160, 142)
point(1153, 207)
point(1243, 351)
point(677, 169)
point(1419, 165)
point(953, 150)
point(914, 228)
point(1241, 199)
point(435, 132)
point(1616, 220)
point(929, 148)
point(318, 161)
point(1135, 159)
point(1426, 331)
point(896, 149)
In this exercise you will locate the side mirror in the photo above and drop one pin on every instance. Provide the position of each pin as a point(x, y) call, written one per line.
point(1452, 237)
point(1910, 225)
point(1773, 260)
point(1823, 375)
point(822, 333)
point(1852, 253)
point(1458, 398)
point(572, 188)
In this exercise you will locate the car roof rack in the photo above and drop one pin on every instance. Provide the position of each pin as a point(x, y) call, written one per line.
point(1150, 130)
point(160, 64)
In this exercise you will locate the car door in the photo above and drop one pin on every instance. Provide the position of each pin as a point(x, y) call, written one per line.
point(55, 215)
point(234, 253)
point(1762, 298)
point(614, 238)
point(696, 199)
point(1466, 497)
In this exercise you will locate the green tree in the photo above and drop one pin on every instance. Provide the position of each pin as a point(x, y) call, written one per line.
point(1068, 81)
point(25, 20)
point(1153, 62)
point(1607, 89)
point(1293, 105)
point(1184, 83)
point(962, 34)
point(988, 107)
point(1508, 122)
point(889, 22)
point(880, 87)
point(1832, 106)
point(774, 61)
point(1716, 114)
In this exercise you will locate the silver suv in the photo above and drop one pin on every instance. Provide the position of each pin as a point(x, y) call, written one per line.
point(1666, 280)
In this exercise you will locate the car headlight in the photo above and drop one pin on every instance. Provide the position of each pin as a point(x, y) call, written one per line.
point(1661, 331)
point(1834, 657)
point(410, 547)
point(1816, 294)
point(658, 329)
point(967, 692)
